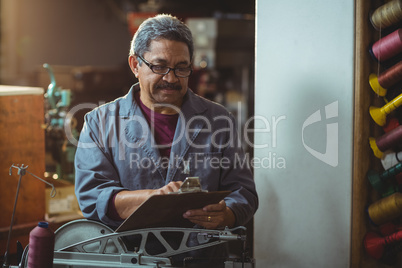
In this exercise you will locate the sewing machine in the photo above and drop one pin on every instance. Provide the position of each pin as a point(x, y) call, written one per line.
point(86, 243)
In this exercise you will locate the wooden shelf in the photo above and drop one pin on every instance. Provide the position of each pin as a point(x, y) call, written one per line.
point(364, 127)
point(22, 141)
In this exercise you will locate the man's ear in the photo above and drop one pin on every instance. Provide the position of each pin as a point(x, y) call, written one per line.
point(132, 61)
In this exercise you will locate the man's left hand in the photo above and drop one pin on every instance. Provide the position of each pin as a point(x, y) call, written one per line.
point(212, 216)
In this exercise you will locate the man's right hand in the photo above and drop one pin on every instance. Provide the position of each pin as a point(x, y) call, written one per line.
point(172, 186)
point(126, 202)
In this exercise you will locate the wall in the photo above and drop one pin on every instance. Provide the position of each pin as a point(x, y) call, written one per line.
point(59, 32)
point(304, 127)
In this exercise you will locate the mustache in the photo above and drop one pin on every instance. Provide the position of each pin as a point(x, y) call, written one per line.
point(169, 85)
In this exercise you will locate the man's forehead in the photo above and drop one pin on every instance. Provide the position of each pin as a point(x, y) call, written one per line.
point(163, 48)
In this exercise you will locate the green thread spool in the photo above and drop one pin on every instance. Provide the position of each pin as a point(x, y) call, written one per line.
point(386, 209)
point(390, 189)
point(378, 181)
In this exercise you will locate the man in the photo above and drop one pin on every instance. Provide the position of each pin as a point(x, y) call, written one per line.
point(150, 140)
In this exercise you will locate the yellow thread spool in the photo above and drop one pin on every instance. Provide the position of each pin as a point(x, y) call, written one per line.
point(375, 85)
point(387, 15)
point(379, 115)
point(373, 144)
point(386, 209)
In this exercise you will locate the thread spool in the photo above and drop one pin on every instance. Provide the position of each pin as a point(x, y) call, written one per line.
point(386, 141)
point(390, 159)
point(386, 79)
point(392, 123)
point(41, 246)
point(378, 180)
point(390, 189)
point(387, 15)
point(388, 46)
point(388, 228)
point(379, 115)
point(376, 245)
point(386, 209)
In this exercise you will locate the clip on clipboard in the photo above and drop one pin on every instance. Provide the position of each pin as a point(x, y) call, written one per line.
point(167, 210)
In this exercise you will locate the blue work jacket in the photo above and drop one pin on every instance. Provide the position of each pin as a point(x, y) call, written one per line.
point(116, 151)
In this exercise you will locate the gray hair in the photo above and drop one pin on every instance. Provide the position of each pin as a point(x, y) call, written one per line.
point(161, 27)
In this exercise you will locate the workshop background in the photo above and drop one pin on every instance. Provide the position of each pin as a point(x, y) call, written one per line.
point(64, 57)
point(300, 67)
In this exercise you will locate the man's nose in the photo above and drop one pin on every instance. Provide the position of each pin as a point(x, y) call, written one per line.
point(170, 77)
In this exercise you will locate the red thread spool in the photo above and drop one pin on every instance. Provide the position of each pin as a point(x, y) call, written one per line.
point(391, 124)
point(386, 141)
point(375, 244)
point(388, 46)
point(387, 228)
point(41, 246)
point(391, 76)
point(386, 80)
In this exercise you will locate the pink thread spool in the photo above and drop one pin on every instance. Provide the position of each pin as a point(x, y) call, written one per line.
point(386, 79)
point(388, 46)
point(41, 246)
point(386, 141)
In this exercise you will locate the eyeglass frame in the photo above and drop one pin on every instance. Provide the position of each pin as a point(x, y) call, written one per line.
point(150, 66)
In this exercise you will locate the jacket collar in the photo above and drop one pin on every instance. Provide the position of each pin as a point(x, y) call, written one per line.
point(189, 107)
point(192, 106)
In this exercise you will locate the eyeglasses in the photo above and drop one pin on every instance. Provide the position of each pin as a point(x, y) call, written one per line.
point(164, 70)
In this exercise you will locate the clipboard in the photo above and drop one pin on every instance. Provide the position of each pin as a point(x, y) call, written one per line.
point(167, 210)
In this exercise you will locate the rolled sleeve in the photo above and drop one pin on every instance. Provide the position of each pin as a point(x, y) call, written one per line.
point(238, 178)
point(243, 200)
point(96, 177)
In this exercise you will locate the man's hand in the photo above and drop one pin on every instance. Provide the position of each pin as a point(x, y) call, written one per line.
point(172, 186)
point(126, 202)
point(212, 216)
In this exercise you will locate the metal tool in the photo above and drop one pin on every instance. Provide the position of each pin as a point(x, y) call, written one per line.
point(60, 128)
point(22, 170)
